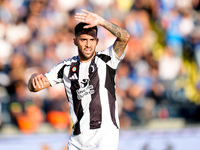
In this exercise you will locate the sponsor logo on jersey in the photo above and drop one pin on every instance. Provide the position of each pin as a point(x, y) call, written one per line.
point(85, 89)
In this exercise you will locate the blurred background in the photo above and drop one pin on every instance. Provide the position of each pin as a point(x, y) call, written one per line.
point(158, 82)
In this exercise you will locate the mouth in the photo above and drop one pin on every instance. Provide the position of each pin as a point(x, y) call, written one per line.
point(88, 50)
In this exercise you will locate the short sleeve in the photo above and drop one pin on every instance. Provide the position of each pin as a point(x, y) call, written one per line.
point(114, 61)
point(53, 74)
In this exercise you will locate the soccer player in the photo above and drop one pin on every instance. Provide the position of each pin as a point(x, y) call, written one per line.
point(89, 81)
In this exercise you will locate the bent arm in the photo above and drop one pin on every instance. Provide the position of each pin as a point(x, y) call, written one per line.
point(38, 82)
point(93, 19)
point(121, 34)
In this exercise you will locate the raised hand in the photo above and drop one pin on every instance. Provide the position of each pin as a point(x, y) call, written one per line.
point(93, 20)
point(90, 18)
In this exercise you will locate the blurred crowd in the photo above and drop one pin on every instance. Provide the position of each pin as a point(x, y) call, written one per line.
point(158, 78)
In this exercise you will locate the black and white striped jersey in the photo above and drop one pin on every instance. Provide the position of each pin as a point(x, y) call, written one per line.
point(90, 89)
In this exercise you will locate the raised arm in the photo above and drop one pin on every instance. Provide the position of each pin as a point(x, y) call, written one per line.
point(121, 34)
point(94, 19)
point(38, 82)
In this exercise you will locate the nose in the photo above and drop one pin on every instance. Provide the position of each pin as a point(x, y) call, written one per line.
point(88, 43)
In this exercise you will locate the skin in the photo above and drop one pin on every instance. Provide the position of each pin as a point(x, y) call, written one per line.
point(94, 20)
point(86, 44)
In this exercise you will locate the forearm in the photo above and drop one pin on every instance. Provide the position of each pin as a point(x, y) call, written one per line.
point(121, 34)
point(93, 20)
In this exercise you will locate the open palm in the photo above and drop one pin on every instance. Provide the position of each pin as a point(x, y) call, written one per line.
point(87, 17)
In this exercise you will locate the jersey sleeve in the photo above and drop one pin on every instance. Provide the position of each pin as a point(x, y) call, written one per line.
point(114, 58)
point(53, 74)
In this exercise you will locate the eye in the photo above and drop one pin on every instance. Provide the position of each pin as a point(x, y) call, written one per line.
point(83, 40)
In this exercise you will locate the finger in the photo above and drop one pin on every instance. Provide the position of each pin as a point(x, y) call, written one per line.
point(36, 83)
point(80, 17)
point(41, 83)
point(85, 11)
point(33, 83)
point(40, 80)
point(80, 14)
point(87, 26)
point(44, 80)
point(80, 20)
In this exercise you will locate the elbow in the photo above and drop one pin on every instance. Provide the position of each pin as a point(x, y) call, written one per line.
point(128, 36)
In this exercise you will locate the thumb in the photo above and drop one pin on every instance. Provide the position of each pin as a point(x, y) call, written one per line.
point(87, 26)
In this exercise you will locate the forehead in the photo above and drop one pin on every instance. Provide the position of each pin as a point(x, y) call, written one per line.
point(85, 33)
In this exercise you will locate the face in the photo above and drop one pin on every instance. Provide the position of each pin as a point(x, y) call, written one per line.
point(86, 43)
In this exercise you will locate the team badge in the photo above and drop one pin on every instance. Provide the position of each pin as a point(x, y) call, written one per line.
point(74, 69)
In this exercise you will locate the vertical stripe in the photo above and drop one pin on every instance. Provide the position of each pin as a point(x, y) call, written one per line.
point(78, 109)
point(60, 75)
point(112, 108)
point(61, 71)
point(95, 104)
point(110, 86)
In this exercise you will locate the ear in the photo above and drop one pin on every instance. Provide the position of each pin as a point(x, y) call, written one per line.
point(97, 40)
point(75, 41)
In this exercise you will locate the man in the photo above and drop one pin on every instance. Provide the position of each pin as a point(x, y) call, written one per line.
point(89, 84)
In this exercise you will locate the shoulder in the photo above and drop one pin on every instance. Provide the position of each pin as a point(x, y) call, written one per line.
point(110, 57)
point(106, 51)
point(69, 61)
point(64, 64)
point(108, 54)
point(103, 57)
point(74, 59)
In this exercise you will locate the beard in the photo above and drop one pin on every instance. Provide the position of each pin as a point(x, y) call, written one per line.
point(83, 56)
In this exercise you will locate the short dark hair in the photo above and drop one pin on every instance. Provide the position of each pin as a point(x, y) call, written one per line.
point(79, 28)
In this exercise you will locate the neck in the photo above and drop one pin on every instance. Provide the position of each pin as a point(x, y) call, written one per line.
point(84, 60)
